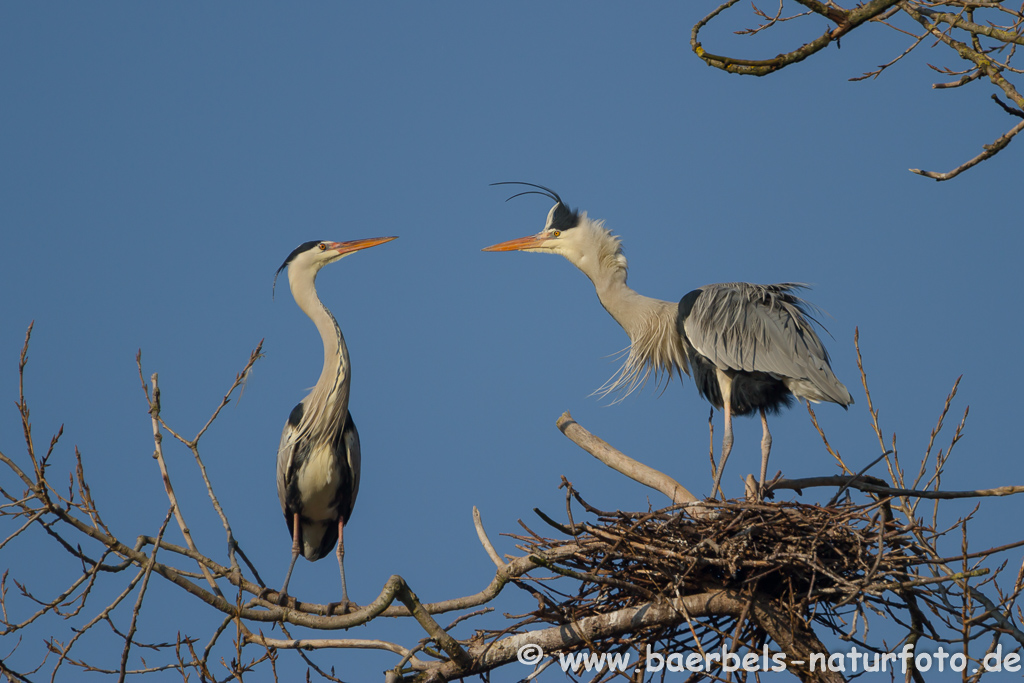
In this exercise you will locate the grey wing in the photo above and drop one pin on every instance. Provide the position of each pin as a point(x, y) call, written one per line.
point(286, 452)
point(285, 456)
point(763, 328)
point(352, 453)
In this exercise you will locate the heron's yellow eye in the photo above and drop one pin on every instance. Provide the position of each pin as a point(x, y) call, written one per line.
point(321, 246)
point(556, 233)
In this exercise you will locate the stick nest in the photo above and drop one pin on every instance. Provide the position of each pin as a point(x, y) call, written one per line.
point(815, 563)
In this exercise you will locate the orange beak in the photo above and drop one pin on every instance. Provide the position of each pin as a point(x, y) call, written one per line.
point(527, 242)
point(356, 245)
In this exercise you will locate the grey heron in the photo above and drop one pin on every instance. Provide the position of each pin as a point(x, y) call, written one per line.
point(318, 458)
point(750, 348)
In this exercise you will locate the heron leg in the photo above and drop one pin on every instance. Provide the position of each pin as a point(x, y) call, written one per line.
point(766, 449)
point(296, 548)
point(341, 565)
point(711, 438)
point(725, 384)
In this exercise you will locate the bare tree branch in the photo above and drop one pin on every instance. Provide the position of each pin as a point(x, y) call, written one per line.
point(622, 463)
point(737, 577)
point(987, 47)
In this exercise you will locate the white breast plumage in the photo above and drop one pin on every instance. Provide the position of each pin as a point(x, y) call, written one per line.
point(318, 478)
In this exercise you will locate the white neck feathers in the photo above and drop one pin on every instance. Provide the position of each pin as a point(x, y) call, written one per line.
point(656, 347)
point(327, 404)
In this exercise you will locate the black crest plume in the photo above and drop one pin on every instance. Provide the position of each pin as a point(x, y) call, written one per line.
point(563, 219)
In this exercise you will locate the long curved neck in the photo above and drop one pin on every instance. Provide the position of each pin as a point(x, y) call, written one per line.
point(655, 345)
point(628, 307)
point(606, 267)
point(327, 404)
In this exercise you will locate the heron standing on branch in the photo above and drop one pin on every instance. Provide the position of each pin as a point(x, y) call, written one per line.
point(750, 348)
point(318, 459)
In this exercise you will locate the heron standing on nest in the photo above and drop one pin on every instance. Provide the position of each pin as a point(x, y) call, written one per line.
point(750, 348)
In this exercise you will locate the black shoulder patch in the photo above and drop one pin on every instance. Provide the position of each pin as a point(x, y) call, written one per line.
point(564, 219)
point(296, 415)
point(687, 302)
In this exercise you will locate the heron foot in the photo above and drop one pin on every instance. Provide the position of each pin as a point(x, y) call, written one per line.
point(285, 600)
point(757, 493)
point(343, 607)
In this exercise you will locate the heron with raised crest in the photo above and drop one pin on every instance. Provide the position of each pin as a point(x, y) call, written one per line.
point(749, 348)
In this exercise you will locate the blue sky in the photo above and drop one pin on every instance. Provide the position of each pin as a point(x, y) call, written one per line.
point(159, 162)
